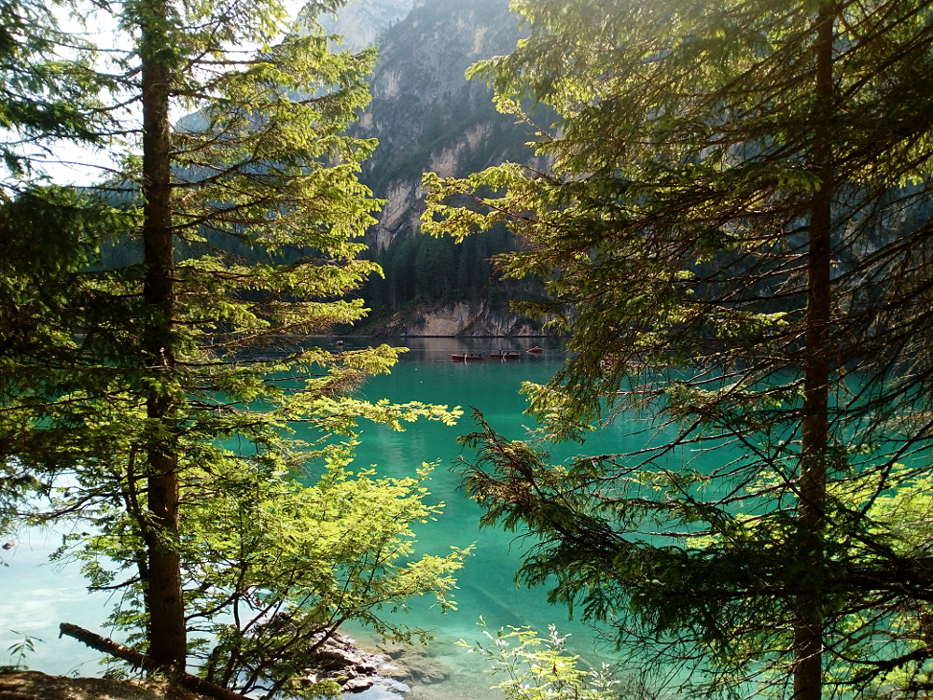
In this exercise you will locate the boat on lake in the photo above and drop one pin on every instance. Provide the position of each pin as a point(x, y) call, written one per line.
point(505, 355)
point(469, 357)
point(536, 350)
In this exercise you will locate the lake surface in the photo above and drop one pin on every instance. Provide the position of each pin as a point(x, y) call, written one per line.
point(35, 596)
point(486, 583)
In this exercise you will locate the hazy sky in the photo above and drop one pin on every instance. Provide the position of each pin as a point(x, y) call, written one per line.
point(71, 164)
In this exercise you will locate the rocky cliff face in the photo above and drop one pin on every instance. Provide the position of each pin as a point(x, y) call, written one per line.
point(458, 319)
point(362, 22)
point(427, 116)
point(424, 112)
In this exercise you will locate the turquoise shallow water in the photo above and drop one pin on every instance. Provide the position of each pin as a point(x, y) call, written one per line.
point(35, 596)
point(486, 584)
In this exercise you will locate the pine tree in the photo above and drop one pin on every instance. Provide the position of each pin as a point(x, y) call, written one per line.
point(734, 231)
point(43, 101)
point(44, 98)
point(166, 375)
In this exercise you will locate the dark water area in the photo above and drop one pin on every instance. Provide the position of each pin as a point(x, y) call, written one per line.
point(37, 596)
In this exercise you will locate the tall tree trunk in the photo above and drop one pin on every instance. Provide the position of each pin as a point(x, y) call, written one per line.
point(808, 633)
point(167, 636)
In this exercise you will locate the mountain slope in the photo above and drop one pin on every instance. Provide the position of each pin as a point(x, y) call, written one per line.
point(425, 113)
point(427, 116)
point(362, 22)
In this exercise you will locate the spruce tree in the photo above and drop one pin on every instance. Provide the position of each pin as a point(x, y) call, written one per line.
point(734, 232)
point(44, 97)
point(169, 364)
point(44, 101)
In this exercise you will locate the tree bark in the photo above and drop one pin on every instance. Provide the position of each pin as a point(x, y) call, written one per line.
point(167, 634)
point(808, 632)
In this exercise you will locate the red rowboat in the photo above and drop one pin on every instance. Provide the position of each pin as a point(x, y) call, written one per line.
point(467, 358)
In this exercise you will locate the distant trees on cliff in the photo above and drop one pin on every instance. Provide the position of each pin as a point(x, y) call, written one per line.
point(426, 271)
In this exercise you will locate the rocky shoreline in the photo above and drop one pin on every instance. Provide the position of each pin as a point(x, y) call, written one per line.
point(381, 673)
point(385, 671)
point(458, 320)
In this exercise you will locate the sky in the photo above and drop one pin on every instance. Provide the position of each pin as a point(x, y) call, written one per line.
point(70, 163)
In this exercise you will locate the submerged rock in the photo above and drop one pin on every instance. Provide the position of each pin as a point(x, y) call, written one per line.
point(412, 663)
point(357, 671)
point(382, 692)
point(383, 671)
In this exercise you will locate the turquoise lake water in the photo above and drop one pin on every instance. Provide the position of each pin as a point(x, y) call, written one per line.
point(35, 596)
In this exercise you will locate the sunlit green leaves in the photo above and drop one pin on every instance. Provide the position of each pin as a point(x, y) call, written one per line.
point(267, 217)
point(541, 668)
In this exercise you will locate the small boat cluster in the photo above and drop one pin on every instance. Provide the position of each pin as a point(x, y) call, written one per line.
point(502, 355)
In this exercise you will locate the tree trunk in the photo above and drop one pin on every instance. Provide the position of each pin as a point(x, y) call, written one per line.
point(808, 632)
point(167, 637)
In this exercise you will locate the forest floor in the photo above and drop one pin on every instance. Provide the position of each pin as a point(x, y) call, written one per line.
point(32, 685)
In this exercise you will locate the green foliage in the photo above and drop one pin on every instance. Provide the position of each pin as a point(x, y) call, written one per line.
point(540, 668)
point(734, 230)
point(48, 90)
point(339, 550)
point(718, 572)
point(49, 285)
point(20, 650)
point(274, 564)
point(154, 361)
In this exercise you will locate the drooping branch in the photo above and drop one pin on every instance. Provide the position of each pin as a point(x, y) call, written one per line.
point(185, 680)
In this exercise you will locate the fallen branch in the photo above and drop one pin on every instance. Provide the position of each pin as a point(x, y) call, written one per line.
point(185, 680)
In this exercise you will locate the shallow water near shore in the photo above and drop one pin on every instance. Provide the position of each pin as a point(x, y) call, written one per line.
point(36, 596)
point(486, 584)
